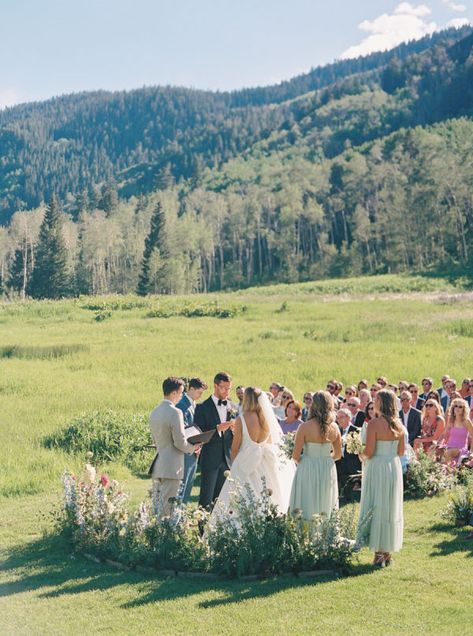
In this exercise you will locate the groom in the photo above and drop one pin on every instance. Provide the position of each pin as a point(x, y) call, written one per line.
point(214, 414)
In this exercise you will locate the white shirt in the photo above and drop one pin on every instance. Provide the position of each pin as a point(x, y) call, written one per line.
point(405, 416)
point(222, 411)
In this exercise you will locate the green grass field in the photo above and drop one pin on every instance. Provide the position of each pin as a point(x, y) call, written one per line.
point(61, 359)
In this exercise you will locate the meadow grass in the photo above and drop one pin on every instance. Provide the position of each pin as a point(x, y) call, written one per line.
point(301, 335)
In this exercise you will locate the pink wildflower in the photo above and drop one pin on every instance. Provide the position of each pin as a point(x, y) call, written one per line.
point(104, 480)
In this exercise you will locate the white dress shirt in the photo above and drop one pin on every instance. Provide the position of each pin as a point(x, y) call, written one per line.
point(405, 416)
point(222, 411)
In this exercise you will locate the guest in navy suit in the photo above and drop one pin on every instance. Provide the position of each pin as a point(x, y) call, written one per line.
point(410, 417)
point(450, 388)
point(187, 406)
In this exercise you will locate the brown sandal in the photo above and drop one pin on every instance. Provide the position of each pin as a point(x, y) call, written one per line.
point(378, 560)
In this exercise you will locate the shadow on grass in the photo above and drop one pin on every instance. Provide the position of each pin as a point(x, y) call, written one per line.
point(48, 568)
point(457, 541)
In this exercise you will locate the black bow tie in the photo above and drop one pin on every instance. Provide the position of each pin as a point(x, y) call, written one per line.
point(224, 402)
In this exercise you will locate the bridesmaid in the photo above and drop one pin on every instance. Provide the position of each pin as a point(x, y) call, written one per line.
point(381, 508)
point(315, 487)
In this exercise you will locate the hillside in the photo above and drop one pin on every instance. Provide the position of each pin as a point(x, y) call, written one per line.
point(153, 137)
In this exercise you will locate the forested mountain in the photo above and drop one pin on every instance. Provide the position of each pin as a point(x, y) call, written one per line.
point(152, 137)
point(172, 190)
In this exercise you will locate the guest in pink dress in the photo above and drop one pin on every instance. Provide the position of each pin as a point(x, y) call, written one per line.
point(453, 446)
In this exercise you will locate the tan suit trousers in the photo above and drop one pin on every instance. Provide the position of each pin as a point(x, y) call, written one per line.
point(164, 489)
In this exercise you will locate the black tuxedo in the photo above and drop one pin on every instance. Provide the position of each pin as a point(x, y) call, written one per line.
point(215, 455)
point(359, 419)
point(414, 424)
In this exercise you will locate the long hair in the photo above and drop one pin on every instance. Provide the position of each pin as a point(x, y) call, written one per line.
point(251, 403)
point(322, 409)
point(388, 409)
point(465, 412)
point(437, 407)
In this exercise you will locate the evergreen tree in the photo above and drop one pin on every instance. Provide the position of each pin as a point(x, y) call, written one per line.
point(50, 277)
point(20, 269)
point(155, 250)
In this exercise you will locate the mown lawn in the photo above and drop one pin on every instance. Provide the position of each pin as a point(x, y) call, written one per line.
point(301, 335)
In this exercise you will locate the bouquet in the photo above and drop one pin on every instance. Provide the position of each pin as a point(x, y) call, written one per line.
point(353, 443)
point(287, 444)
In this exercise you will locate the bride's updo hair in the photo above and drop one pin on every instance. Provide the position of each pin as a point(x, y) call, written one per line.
point(322, 410)
point(251, 403)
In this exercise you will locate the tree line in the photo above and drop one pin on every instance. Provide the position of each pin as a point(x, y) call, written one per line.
point(398, 204)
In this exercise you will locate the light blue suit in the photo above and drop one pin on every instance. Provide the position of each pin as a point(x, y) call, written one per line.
point(187, 406)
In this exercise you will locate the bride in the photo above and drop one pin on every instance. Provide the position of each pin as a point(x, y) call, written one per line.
point(256, 453)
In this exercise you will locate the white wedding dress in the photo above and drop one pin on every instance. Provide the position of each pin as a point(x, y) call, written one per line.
point(255, 461)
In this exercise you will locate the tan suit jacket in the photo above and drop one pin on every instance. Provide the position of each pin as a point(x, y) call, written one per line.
point(167, 428)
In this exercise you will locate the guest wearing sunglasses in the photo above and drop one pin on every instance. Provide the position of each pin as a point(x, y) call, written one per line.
point(454, 445)
point(432, 427)
point(427, 385)
point(357, 415)
point(286, 397)
point(417, 402)
point(307, 404)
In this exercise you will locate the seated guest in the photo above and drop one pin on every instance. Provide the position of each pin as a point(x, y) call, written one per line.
point(394, 388)
point(350, 391)
point(275, 389)
point(374, 390)
point(433, 395)
point(338, 390)
point(286, 397)
point(410, 417)
point(450, 389)
point(364, 397)
point(307, 404)
point(427, 385)
point(362, 384)
point(382, 381)
point(432, 426)
point(332, 388)
point(442, 390)
point(240, 392)
point(293, 418)
point(403, 385)
point(369, 411)
point(350, 463)
point(465, 391)
point(453, 446)
point(357, 415)
point(417, 402)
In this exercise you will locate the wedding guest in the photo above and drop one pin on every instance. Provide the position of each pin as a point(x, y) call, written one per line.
point(450, 389)
point(410, 417)
point(213, 414)
point(240, 392)
point(442, 390)
point(349, 464)
point(427, 385)
point(315, 488)
point(417, 402)
point(307, 404)
point(369, 411)
point(357, 415)
point(403, 385)
point(432, 427)
point(362, 384)
point(338, 390)
point(291, 422)
point(381, 508)
point(465, 391)
point(382, 381)
point(365, 397)
point(167, 429)
point(276, 389)
point(350, 391)
point(433, 395)
point(453, 446)
point(374, 390)
point(286, 397)
point(187, 405)
point(332, 388)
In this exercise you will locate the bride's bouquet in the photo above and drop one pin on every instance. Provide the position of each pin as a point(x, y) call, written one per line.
point(287, 444)
point(353, 443)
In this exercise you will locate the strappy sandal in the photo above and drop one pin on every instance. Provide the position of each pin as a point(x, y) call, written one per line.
point(378, 560)
point(387, 559)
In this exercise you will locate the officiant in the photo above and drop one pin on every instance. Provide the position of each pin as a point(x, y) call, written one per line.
point(167, 428)
point(214, 414)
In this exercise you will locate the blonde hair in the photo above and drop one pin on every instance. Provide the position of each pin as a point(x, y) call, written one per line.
point(251, 403)
point(322, 409)
point(438, 409)
point(388, 409)
point(465, 414)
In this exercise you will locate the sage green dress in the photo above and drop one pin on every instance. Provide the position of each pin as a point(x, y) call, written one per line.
point(315, 486)
point(381, 520)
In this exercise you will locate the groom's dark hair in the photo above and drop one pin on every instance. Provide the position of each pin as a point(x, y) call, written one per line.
point(222, 377)
point(172, 384)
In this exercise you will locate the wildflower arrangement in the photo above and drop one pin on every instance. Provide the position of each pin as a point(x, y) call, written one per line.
point(459, 508)
point(426, 477)
point(252, 538)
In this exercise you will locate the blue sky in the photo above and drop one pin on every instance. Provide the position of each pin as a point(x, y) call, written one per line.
point(52, 47)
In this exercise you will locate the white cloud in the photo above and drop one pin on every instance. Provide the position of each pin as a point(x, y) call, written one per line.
point(458, 22)
point(407, 22)
point(454, 6)
point(8, 97)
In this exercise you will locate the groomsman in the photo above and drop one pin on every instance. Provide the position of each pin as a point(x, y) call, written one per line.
point(167, 428)
point(214, 414)
point(187, 405)
point(410, 417)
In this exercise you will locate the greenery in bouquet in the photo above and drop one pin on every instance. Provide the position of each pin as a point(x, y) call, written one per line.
point(353, 443)
point(427, 477)
point(287, 444)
